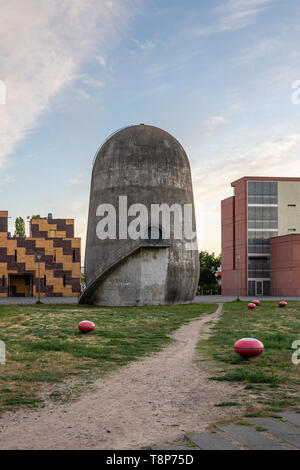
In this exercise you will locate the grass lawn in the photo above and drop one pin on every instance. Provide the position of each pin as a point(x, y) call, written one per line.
point(271, 378)
point(43, 343)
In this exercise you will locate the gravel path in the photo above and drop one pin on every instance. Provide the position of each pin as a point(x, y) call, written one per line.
point(153, 400)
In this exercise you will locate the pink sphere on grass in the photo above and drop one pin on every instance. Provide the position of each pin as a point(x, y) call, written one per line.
point(249, 347)
point(251, 306)
point(86, 326)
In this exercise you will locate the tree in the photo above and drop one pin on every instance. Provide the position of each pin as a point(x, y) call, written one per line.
point(36, 217)
point(209, 267)
point(19, 228)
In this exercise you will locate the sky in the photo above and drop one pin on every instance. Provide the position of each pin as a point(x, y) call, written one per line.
point(217, 75)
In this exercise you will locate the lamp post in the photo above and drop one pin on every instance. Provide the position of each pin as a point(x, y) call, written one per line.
point(238, 257)
point(39, 276)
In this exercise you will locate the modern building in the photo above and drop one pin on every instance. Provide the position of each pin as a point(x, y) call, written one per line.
point(136, 168)
point(47, 261)
point(261, 237)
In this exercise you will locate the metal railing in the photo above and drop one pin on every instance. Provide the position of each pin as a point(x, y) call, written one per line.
point(111, 259)
point(107, 138)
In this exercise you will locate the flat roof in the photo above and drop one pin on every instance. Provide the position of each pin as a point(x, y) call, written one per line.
point(287, 235)
point(264, 178)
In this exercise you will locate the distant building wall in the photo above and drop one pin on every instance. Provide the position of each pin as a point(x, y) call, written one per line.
point(53, 240)
point(285, 265)
point(234, 241)
point(262, 209)
point(288, 207)
point(229, 279)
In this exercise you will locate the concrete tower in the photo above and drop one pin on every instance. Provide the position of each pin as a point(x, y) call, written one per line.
point(141, 165)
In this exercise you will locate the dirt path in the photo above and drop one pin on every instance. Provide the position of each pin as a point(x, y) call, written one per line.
point(154, 400)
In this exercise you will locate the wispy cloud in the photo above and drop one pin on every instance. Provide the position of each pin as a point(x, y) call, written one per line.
point(144, 45)
point(101, 60)
point(259, 50)
point(278, 157)
point(43, 46)
point(234, 15)
point(215, 121)
point(90, 82)
point(77, 181)
point(6, 180)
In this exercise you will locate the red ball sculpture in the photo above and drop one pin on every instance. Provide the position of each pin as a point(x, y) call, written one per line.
point(249, 347)
point(256, 302)
point(86, 326)
point(282, 304)
point(251, 306)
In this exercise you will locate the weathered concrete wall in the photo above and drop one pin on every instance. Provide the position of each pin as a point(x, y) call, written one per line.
point(139, 280)
point(149, 166)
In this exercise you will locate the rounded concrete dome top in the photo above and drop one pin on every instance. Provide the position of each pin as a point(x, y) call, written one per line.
point(151, 139)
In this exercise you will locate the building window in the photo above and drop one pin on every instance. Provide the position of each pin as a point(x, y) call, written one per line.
point(262, 226)
point(262, 192)
point(45, 280)
point(16, 256)
point(64, 280)
point(262, 217)
point(3, 280)
point(54, 256)
point(258, 267)
point(260, 241)
point(74, 256)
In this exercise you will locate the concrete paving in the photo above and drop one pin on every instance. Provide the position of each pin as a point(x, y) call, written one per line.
point(292, 417)
point(33, 300)
point(281, 436)
point(171, 448)
point(211, 442)
point(283, 431)
point(251, 438)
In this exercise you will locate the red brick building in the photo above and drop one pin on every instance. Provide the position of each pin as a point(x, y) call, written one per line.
point(261, 237)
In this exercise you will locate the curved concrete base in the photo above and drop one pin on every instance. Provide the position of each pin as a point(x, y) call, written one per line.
point(139, 280)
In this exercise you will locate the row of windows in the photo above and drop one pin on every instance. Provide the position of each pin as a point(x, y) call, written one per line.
point(259, 249)
point(261, 235)
point(257, 188)
point(256, 274)
point(262, 192)
point(4, 282)
point(263, 224)
point(263, 213)
point(53, 258)
point(259, 267)
point(259, 263)
point(260, 241)
point(262, 199)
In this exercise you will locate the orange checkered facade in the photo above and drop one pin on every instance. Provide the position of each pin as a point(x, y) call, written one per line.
point(49, 259)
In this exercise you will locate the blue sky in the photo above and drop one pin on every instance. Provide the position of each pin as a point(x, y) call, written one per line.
point(217, 75)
